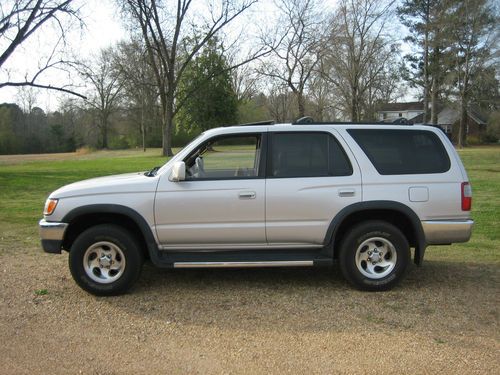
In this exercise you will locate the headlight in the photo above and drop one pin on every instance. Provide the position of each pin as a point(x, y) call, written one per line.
point(50, 206)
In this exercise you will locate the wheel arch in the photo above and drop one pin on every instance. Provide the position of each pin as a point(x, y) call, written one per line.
point(84, 217)
point(398, 214)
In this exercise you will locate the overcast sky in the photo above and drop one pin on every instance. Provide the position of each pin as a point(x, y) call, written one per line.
point(103, 27)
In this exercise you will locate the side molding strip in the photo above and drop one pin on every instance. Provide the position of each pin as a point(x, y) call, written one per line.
point(292, 263)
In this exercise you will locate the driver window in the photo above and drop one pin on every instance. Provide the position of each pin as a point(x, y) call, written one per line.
point(225, 158)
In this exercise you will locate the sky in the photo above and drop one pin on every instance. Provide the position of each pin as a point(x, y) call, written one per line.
point(103, 27)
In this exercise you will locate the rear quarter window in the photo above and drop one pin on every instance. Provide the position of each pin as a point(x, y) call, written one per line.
point(402, 151)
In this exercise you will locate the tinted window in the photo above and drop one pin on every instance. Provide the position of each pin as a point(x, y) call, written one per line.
point(402, 151)
point(307, 155)
point(225, 158)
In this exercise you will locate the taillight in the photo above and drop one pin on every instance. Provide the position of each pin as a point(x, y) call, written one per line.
point(466, 196)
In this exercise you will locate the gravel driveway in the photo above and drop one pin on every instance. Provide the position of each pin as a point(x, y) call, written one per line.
point(442, 319)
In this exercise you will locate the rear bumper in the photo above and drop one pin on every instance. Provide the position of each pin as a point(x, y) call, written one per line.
point(441, 232)
point(52, 235)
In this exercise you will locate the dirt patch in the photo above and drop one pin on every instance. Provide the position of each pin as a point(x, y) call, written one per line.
point(442, 319)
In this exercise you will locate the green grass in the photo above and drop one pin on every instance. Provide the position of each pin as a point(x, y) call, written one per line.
point(483, 168)
point(24, 185)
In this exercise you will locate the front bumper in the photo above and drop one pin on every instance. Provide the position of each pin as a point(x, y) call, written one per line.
point(52, 235)
point(443, 232)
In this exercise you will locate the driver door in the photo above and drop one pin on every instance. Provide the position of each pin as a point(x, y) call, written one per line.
point(221, 203)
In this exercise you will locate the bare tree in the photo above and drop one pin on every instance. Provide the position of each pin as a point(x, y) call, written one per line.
point(27, 97)
point(137, 77)
point(358, 51)
point(296, 56)
point(244, 81)
point(170, 50)
point(324, 103)
point(474, 32)
point(106, 89)
point(19, 20)
point(280, 103)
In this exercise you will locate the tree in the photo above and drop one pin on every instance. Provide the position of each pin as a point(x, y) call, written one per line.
point(170, 52)
point(473, 32)
point(10, 117)
point(281, 103)
point(296, 56)
point(105, 92)
point(19, 20)
point(358, 52)
point(137, 77)
point(210, 100)
point(419, 16)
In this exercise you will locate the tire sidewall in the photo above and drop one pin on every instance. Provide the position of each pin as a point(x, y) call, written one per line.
point(356, 237)
point(118, 236)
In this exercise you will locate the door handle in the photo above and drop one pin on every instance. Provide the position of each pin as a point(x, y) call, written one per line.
point(347, 193)
point(247, 194)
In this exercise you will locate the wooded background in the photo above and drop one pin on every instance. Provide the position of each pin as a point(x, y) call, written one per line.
point(181, 71)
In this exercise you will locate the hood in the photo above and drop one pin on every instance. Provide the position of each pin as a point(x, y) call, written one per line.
point(122, 183)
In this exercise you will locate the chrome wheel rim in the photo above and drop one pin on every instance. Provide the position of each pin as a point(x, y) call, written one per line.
point(376, 257)
point(104, 262)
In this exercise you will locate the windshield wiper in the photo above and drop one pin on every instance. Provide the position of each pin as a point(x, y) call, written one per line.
point(152, 172)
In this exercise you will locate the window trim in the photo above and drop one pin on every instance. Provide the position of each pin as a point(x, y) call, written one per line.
point(269, 152)
point(262, 159)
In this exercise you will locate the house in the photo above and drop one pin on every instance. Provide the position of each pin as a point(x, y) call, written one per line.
point(394, 111)
point(448, 118)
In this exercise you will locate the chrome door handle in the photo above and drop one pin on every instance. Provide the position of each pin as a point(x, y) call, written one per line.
point(247, 195)
point(347, 193)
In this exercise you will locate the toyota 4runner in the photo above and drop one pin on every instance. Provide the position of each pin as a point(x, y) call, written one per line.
point(269, 196)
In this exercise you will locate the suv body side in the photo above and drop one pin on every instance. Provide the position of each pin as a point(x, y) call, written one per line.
point(311, 195)
point(434, 197)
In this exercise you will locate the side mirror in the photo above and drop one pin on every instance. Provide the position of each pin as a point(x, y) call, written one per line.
point(178, 171)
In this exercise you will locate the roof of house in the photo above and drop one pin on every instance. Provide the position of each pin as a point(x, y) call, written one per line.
point(449, 116)
point(409, 106)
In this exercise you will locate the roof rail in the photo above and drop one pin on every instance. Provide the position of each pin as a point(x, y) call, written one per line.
point(309, 120)
point(266, 122)
point(304, 120)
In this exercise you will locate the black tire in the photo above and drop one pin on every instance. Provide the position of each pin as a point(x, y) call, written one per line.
point(361, 263)
point(95, 247)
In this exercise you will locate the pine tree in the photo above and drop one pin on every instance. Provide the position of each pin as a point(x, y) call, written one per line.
point(206, 93)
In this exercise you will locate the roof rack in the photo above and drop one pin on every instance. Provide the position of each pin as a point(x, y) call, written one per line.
point(266, 122)
point(309, 120)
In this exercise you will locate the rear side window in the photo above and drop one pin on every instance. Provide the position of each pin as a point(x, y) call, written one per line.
point(402, 151)
point(302, 154)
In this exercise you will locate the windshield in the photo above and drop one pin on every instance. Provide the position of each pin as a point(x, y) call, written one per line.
point(181, 152)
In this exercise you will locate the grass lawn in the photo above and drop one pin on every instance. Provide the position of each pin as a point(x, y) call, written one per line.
point(24, 185)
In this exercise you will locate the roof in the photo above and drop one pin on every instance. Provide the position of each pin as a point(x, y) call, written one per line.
point(408, 106)
point(449, 116)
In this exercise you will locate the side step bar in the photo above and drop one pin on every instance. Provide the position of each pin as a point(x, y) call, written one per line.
point(291, 263)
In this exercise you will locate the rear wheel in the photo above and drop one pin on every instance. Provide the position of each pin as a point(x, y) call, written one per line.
point(374, 256)
point(105, 260)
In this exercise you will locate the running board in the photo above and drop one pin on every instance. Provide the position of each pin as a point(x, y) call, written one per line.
point(291, 263)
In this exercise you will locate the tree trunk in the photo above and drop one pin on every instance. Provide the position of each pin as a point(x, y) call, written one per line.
point(426, 77)
point(354, 105)
point(168, 121)
point(104, 133)
point(301, 105)
point(143, 129)
point(434, 102)
point(462, 129)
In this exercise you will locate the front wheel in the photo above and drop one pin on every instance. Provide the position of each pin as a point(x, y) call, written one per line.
point(105, 260)
point(374, 256)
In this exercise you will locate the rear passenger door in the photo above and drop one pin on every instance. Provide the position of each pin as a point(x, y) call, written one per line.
point(311, 176)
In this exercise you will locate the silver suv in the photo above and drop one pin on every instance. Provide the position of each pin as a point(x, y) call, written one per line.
point(269, 196)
